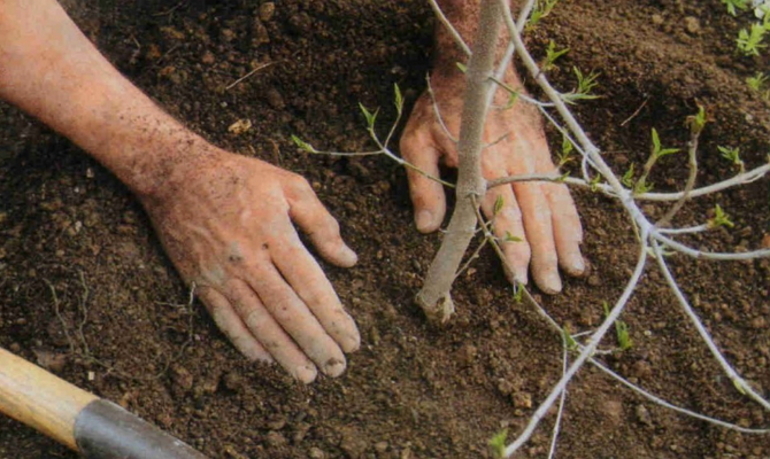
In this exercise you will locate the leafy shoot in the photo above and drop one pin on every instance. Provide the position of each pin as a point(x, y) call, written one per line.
point(733, 155)
point(565, 155)
point(697, 122)
point(498, 443)
point(542, 9)
point(303, 145)
point(569, 340)
point(657, 150)
point(551, 55)
point(720, 218)
point(499, 202)
point(757, 82)
point(511, 238)
point(371, 117)
point(750, 41)
point(628, 177)
point(734, 5)
point(586, 84)
point(398, 100)
point(621, 330)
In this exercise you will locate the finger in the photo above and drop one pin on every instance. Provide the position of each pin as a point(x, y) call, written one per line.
point(537, 224)
point(231, 325)
point(418, 149)
point(567, 230)
point(307, 211)
point(305, 276)
point(508, 221)
point(270, 334)
point(533, 156)
point(296, 319)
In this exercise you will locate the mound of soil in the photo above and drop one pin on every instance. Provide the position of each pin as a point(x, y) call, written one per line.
point(86, 291)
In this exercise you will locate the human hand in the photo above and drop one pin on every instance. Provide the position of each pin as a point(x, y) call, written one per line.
point(542, 214)
point(226, 223)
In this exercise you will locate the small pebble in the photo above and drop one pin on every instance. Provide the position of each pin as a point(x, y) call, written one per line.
point(692, 25)
point(266, 11)
point(316, 453)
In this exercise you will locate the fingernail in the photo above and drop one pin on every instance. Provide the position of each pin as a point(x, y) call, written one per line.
point(347, 256)
point(351, 343)
point(305, 373)
point(424, 220)
point(577, 266)
point(334, 367)
point(551, 283)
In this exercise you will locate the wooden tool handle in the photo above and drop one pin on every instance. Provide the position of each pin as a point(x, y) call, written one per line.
point(95, 428)
point(39, 399)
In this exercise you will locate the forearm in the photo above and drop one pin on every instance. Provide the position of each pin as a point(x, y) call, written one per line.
point(49, 69)
point(464, 16)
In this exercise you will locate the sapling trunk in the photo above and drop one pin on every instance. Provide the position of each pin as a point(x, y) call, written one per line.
point(435, 297)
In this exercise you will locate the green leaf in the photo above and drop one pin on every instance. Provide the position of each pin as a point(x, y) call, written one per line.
point(720, 218)
point(551, 55)
point(655, 141)
point(569, 340)
point(498, 443)
point(624, 338)
point(657, 150)
point(512, 98)
point(757, 81)
point(302, 144)
point(628, 177)
point(371, 117)
point(697, 121)
point(750, 41)
point(518, 293)
point(566, 150)
point(733, 4)
point(595, 182)
point(399, 99)
point(511, 238)
point(498, 205)
point(730, 153)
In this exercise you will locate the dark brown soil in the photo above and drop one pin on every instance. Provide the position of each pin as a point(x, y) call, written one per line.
point(119, 324)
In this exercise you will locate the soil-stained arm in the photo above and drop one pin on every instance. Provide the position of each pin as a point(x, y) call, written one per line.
point(225, 220)
point(543, 215)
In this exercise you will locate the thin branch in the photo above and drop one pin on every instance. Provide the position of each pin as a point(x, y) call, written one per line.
point(659, 401)
point(737, 380)
point(562, 400)
point(678, 246)
point(449, 27)
point(473, 257)
point(687, 230)
point(587, 352)
point(437, 111)
point(524, 178)
point(741, 179)
point(692, 154)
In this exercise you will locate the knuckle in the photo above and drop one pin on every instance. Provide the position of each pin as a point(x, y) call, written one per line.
point(332, 227)
point(299, 187)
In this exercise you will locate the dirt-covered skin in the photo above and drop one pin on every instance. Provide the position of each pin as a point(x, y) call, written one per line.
point(67, 226)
